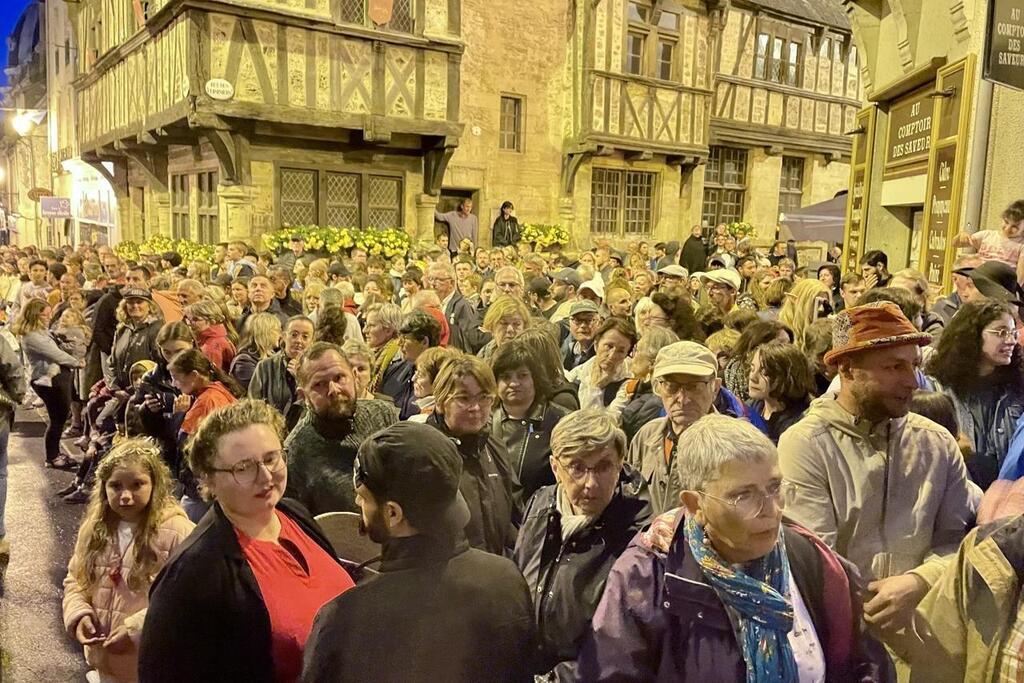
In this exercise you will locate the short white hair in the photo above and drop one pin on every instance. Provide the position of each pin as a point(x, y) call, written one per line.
point(644, 305)
point(347, 289)
point(584, 432)
point(715, 440)
point(513, 271)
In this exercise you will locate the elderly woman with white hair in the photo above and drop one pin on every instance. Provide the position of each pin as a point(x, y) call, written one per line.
point(723, 589)
point(573, 531)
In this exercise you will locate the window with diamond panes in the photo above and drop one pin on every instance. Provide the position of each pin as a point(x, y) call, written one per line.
point(342, 192)
point(510, 132)
point(298, 197)
point(180, 207)
point(725, 180)
point(402, 18)
point(353, 11)
point(208, 210)
point(791, 188)
point(605, 200)
point(384, 202)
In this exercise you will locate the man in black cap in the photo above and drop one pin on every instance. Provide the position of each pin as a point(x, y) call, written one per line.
point(541, 300)
point(297, 255)
point(439, 610)
point(671, 255)
point(997, 280)
point(963, 289)
point(338, 272)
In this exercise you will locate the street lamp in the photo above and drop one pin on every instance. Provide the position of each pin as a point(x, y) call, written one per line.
point(23, 124)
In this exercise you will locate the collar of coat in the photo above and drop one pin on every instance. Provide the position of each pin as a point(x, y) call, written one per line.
point(420, 550)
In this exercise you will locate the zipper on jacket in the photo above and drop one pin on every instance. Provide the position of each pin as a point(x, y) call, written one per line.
point(522, 454)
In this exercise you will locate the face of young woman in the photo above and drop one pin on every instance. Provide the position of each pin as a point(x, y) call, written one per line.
point(612, 349)
point(515, 387)
point(172, 348)
point(128, 492)
point(258, 490)
point(998, 340)
point(758, 382)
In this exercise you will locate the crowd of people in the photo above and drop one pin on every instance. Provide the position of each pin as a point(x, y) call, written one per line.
point(681, 462)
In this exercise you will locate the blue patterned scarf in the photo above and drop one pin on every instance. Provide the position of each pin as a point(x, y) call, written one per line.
point(758, 594)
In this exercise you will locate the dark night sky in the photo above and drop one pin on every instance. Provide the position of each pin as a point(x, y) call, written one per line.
point(10, 10)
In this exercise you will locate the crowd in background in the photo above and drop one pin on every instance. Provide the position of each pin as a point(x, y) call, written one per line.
point(575, 462)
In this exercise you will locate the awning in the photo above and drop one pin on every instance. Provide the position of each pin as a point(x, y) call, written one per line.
point(824, 222)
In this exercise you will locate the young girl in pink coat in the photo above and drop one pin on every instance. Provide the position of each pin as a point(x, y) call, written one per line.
point(131, 527)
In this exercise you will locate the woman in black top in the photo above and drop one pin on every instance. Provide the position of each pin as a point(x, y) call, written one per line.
point(780, 386)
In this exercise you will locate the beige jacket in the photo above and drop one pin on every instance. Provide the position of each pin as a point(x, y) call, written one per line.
point(112, 605)
point(646, 455)
point(891, 497)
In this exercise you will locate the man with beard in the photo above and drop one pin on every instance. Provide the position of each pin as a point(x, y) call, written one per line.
point(886, 488)
point(439, 610)
point(565, 285)
point(274, 378)
point(322, 447)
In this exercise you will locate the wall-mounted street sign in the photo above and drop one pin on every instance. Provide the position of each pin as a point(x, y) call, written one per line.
point(1004, 53)
point(55, 207)
point(219, 89)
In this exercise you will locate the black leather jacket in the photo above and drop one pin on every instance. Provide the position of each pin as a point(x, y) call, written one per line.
point(567, 577)
point(528, 442)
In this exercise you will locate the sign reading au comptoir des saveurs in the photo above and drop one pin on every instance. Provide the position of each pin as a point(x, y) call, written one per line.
point(1004, 56)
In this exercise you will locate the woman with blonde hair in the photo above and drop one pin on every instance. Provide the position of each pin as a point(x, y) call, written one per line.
point(809, 300)
point(317, 271)
point(506, 318)
point(260, 339)
point(199, 270)
point(311, 297)
point(131, 527)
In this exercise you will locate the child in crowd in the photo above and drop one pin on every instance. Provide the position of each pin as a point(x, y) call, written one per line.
point(1005, 244)
point(130, 528)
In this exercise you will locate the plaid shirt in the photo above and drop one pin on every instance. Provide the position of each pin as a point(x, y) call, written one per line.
point(1011, 658)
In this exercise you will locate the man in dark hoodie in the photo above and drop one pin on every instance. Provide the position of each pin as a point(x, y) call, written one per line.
point(439, 610)
point(695, 252)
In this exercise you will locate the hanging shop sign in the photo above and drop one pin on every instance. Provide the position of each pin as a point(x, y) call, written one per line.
point(1004, 41)
point(947, 163)
point(910, 134)
point(860, 182)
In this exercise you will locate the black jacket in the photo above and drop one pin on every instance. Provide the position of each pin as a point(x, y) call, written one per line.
point(567, 578)
point(207, 620)
point(694, 256)
point(132, 344)
point(163, 426)
point(464, 323)
point(505, 232)
point(438, 611)
point(528, 443)
point(104, 319)
point(397, 383)
point(274, 309)
point(490, 488)
point(243, 365)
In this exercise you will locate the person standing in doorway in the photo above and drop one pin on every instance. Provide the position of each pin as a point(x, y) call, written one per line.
point(462, 224)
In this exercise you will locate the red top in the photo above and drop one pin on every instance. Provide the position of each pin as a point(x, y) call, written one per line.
point(296, 577)
point(214, 396)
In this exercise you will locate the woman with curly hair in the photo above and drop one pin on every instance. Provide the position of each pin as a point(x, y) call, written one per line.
point(809, 300)
point(977, 363)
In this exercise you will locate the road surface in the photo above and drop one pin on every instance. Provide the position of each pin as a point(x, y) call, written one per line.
point(41, 529)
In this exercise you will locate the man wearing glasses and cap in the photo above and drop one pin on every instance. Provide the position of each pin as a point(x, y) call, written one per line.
point(439, 610)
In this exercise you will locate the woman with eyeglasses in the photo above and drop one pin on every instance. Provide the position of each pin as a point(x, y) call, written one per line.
point(464, 393)
point(723, 589)
point(977, 363)
point(599, 379)
point(574, 529)
point(238, 601)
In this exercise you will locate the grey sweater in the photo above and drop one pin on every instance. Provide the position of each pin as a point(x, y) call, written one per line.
point(44, 357)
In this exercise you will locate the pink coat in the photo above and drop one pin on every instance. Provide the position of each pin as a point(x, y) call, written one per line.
point(112, 605)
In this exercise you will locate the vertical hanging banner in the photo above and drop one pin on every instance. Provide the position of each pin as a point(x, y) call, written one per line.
point(857, 197)
point(1004, 43)
point(380, 11)
point(947, 163)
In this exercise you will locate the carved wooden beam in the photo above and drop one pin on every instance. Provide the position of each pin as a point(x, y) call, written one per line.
point(571, 164)
point(118, 179)
point(638, 155)
point(435, 163)
point(152, 162)
point(232, 150)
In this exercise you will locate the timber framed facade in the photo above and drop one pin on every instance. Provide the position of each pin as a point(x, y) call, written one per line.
point(236, 91)
point(620, 119)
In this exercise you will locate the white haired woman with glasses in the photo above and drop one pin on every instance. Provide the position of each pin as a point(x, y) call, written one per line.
point(574, 530)
point(238, 601)
point(729, 591)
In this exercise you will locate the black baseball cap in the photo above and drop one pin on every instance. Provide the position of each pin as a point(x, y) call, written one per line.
point(540, 286)
point(418, 467)
point(339, 269)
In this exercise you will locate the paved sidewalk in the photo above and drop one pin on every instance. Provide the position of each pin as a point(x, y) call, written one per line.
point(42, 530)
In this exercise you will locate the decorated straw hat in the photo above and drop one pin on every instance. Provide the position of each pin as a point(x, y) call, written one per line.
point(872, 326)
